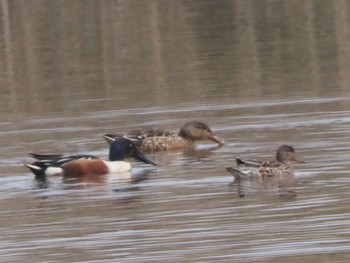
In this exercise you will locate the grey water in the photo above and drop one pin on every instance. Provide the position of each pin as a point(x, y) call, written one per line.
point(259, 73)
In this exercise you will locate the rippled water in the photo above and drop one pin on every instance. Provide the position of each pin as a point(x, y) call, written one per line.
point(187, 208)
point(258, 73)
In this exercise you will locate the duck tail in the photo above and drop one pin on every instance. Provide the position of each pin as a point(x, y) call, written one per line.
point(110, 138)
point(237, 174)
point(38, 169)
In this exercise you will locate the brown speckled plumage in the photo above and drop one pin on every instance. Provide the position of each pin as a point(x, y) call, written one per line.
point(259, 169)
point(156, 139)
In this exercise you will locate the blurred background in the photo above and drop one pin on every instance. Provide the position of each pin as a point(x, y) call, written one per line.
point(259, 73)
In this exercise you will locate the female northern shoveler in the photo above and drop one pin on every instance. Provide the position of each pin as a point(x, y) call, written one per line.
point(259, 169)
point(88, 165)
point(153, 140)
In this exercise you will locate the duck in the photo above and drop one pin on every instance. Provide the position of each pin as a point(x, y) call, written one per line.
point(157, 139)
point(249, 169)
point(79, 165)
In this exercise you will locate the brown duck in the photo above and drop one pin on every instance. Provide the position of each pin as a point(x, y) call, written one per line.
point(156, 139)
point(247, 169)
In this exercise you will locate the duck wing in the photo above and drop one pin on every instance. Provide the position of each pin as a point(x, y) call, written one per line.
point(248, 169)
point(58, 160)
point(138, 136)
point(244, 162)
point(274, 169)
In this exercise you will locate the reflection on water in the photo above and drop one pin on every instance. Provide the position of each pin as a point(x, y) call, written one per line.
point(260, 74)
point(282, 186)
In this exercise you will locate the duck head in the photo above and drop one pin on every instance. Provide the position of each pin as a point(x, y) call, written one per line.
point(196, 130)
point(122, 148)
point(286, 154)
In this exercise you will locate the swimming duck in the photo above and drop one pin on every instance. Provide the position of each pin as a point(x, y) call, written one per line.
point(155, 139)
point(88, 165)
point(261, 169)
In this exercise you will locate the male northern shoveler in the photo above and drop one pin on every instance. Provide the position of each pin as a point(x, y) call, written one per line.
point(260, 169)
point(88, 165)
point(155, 139)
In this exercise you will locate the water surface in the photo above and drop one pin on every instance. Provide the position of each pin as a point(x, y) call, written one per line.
point(260, 74)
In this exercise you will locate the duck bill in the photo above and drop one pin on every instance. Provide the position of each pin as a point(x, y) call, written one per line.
point(216, 139)
point(141, 157)
point(295, 159)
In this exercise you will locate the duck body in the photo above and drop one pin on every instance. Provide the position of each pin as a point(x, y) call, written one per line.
point(250, 169)
point(95, 167)
point(263, 170)
point(88, 165)
point(80, 168)
point(164, 143)
point(156, 139)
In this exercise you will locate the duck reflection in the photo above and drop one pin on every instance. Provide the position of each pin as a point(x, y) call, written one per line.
point(201, 152)
point(284, 187)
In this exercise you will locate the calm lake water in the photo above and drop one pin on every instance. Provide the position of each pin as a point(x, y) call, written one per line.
point(259, 73)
